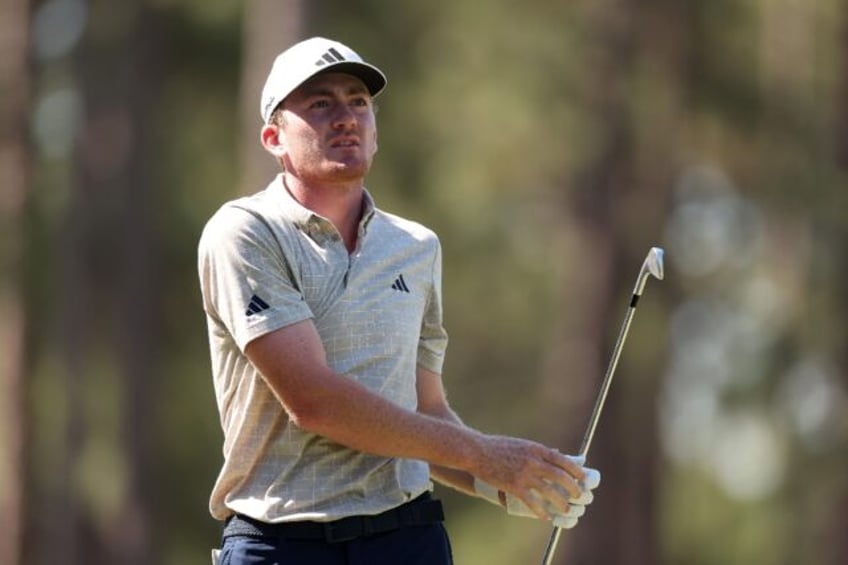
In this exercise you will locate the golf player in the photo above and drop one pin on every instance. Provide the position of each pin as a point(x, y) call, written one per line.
point(325, 328)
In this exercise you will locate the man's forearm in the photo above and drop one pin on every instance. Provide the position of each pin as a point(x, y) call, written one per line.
point(454, 478)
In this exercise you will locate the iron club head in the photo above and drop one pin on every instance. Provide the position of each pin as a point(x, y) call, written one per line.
point(653, 266)
point(654, 262)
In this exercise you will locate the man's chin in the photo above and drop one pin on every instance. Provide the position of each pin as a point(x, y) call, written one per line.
point(341, 170)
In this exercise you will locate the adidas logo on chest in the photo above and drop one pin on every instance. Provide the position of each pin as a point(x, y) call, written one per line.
point(400, 285)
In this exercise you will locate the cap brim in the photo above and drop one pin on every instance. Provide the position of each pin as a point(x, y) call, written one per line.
point(374, 79)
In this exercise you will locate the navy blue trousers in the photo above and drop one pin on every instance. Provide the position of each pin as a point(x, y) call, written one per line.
point(412, 545)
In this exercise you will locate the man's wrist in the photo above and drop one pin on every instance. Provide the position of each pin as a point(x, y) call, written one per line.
point(489, 492)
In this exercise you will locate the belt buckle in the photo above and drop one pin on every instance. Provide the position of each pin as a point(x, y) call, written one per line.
point(342, 530)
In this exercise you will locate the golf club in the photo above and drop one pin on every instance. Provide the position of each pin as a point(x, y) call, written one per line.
point(652, 266)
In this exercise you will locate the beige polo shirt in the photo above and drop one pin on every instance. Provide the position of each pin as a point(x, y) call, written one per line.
point(266, 262)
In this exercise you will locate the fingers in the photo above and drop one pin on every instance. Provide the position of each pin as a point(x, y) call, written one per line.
point(565, 522)
point(575, 465)
point(538, 507)
point(544, 481)
point(536, 503)
point(575, 511)
point(567, 519)
point(570, 518)
point(578, 459)
point(593, 478)
point(568, 475)
point(590, 478)
point(561, 502)
point(586, 497)
point(560, 485)
point(552, 495)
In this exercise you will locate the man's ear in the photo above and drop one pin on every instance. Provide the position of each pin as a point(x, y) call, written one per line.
point(273, 140)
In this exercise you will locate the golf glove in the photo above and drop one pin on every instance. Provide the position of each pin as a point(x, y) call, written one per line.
point(577, 506)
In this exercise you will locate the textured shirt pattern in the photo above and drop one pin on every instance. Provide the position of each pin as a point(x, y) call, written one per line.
point(266, 262)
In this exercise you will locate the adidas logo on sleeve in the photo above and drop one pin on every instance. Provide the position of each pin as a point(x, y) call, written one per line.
point(255, 306)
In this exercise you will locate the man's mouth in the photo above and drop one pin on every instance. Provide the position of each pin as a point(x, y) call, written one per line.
point(345, 143)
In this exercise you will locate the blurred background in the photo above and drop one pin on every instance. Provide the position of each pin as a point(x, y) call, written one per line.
point(550, 144)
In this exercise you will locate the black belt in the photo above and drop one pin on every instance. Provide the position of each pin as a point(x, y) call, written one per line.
point(422, 511)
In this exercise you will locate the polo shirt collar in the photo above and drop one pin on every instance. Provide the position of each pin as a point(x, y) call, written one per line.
point(301, 216)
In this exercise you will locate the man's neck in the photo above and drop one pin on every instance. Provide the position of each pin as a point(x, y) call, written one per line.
point(341, 203)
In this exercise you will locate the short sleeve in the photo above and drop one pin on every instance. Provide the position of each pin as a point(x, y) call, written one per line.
point(246, 279)
point(434, 339)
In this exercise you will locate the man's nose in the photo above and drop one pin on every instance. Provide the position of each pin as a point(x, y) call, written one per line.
point(344, 117)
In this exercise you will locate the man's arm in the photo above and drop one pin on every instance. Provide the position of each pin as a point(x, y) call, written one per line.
point(433, 401)
point(293, 362)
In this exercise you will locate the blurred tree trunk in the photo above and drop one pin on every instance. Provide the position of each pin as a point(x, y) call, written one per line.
point(841, 126)
point(63, 526)
point(15, 78)
point(112, 269)
point(269, 27)
point(134, 540)
point(835, 537)
point(624, 513)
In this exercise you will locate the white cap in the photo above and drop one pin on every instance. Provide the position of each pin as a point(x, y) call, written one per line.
point(304, 60)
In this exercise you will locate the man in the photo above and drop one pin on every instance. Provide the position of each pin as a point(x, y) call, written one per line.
point(325, 328)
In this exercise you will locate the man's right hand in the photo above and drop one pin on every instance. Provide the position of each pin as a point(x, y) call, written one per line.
point(540, 477)
point(530, 479)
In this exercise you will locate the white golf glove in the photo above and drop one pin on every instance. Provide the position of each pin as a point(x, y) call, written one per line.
point(576, 508)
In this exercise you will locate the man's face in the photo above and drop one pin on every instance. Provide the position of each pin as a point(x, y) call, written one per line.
point(328, 129)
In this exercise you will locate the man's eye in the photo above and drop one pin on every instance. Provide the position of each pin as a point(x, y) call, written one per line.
point(320, 104)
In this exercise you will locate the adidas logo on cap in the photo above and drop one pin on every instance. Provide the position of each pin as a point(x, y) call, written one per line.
point(331, 56)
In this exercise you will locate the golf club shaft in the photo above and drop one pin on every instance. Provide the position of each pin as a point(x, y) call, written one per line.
point(552, 543)
point(601, 399)
point(605, 386)
point(596, 413)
